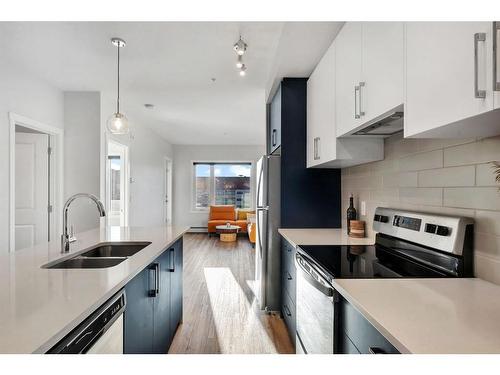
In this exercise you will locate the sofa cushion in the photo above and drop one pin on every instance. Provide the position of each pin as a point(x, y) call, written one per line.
point(242, 214)
point(242, 224)
point(222, 213)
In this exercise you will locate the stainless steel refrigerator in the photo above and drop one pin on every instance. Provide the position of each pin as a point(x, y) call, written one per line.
point(267, 243)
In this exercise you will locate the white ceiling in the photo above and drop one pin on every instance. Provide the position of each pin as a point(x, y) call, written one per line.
point(170, 64)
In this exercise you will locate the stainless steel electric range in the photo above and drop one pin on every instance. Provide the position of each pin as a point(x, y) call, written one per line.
point(408, 244)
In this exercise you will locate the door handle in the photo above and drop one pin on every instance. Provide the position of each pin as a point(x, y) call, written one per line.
point(478, 37)
point(361, 112)
point(273, 137)
point(287, 310)
point(376, 350)
point(156, 290)
point(496, 30)
point(356, 89)
point(172, 260)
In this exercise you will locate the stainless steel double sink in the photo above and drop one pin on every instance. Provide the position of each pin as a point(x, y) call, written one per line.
point(102, 255)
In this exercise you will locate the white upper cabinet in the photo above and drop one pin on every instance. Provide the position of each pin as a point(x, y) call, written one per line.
point(321, 135)
point(382, 68)
point(348, 76)
point(324, 150)
point(449, 80)
point(370, 73)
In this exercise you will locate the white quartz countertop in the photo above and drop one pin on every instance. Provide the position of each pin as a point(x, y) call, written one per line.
point(327, 236)
point(40, 306)
point(429, 316)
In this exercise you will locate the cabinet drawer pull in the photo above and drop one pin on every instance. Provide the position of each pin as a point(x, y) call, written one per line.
point(496, 80)
point(376, 350)
point(361, 112)
point(356, 89)
point(172, 260)
point(156, 290)
point(287, 310)
point(316, 148)
point(478, 37)
point(273, 137)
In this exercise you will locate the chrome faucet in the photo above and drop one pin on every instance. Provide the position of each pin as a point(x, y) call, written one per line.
point(66, 239)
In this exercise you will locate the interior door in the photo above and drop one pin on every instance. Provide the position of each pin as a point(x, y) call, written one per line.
point(32, 189)
point(440, 73)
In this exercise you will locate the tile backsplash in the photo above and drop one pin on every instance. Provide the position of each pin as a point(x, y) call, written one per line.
point(435, 175)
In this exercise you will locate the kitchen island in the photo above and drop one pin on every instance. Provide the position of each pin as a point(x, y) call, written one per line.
point(39, 306)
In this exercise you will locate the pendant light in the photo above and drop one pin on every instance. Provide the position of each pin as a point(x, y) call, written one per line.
point(118, 122)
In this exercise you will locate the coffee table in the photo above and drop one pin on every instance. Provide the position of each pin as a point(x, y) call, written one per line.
point(227, 233)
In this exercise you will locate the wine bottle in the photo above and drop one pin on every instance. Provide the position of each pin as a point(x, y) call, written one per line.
point(351, 213)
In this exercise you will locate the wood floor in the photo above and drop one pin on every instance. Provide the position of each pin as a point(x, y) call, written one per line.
point(220, 311)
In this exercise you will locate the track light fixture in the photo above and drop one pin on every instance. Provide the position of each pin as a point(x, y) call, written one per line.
point(240, 48)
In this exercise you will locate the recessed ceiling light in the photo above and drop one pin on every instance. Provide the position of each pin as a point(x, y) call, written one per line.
point(149, 106)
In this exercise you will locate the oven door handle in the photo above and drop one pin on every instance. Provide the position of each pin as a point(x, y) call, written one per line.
point(326, 290)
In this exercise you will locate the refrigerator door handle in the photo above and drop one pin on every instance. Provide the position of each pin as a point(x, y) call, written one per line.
point(257, 216)
point(263, 208)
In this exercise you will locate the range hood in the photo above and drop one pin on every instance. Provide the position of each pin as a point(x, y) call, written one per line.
point(389, 124)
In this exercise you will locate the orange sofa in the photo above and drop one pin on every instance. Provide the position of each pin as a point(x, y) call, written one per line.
point(223, 214)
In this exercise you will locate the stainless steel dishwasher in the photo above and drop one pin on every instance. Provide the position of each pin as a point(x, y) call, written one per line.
point(100, 333)
point(315, 309)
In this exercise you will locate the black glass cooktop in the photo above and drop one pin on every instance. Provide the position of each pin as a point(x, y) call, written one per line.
point(388, 259)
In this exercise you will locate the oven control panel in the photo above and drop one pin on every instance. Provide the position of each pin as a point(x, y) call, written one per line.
point(407, 222)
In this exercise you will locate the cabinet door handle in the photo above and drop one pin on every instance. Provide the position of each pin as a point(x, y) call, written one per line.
point(361, 112)
point(316, 148)
point(496, 81)
point(376, 350)
point(356, 115)
point(273, 137)
point(287, 310)
point(172, 260)
point(478, 37)
point(156, 290)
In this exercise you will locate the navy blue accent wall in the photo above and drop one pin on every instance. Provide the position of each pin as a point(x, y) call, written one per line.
point(310, 198)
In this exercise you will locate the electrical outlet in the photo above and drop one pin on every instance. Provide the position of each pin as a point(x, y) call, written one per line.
point(363, 208)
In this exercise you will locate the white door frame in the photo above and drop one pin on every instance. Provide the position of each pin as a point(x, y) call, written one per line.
point(168, 190)
point(57, 145)
point(126, 171)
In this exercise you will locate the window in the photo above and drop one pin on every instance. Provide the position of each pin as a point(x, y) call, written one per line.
point(222, 183)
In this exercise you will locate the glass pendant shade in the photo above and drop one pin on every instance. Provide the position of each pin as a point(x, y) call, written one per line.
point(118, 124)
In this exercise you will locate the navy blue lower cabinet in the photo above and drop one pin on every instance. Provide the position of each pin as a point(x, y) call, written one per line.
point(358, 335)
point(176, 286)
point(288, 287)
point(161, 323)
point(138, 316)
point(154, 304)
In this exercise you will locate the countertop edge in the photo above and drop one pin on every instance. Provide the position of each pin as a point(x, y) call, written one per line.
point(392, 339)
point(365, 241)
point(61, 334)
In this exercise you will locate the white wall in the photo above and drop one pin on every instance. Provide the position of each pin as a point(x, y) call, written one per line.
point(146, 152)
point(182, 177)
point(28, 96)
point(82, 116)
